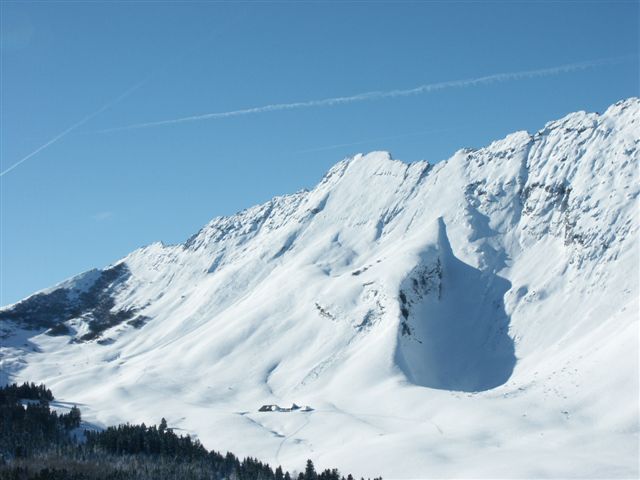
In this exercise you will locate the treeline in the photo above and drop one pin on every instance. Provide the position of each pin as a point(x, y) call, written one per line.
point(37, 443)
point(28, 425)
point(26, 391)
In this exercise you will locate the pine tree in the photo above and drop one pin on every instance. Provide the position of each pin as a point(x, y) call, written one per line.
point(74, 417)
point(310, 471)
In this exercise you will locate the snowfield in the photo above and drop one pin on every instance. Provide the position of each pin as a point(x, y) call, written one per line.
point(476, 318)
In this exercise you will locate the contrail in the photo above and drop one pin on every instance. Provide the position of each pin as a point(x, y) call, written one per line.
point(114, 101)
point(76, 125)
point(361, 97)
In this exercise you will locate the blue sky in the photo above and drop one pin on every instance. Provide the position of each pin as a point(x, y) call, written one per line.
point(92, 196)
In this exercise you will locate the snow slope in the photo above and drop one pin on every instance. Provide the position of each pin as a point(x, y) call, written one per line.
point(473, 318)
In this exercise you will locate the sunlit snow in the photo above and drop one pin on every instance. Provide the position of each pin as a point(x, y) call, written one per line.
point(473, 318)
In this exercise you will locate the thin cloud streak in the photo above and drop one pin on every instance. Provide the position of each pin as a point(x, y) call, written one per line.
point(108, 105)
point(361, 97)
point(101, 216)
point(79, 123)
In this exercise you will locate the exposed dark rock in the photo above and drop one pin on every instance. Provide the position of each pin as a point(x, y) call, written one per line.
point(94, 305)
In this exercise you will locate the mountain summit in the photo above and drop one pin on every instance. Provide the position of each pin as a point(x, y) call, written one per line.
point(477, 317)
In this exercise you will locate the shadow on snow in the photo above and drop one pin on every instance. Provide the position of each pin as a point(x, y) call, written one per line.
point(459, 338)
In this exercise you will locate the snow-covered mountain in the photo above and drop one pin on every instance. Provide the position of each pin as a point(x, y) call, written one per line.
point(473, 318)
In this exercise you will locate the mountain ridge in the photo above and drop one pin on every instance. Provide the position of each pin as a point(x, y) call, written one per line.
point(485, 290)
point(569, 119)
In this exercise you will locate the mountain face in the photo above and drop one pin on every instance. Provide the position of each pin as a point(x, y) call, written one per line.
point(473, 318)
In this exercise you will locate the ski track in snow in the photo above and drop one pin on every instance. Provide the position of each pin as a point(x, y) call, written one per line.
point(306, 422)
